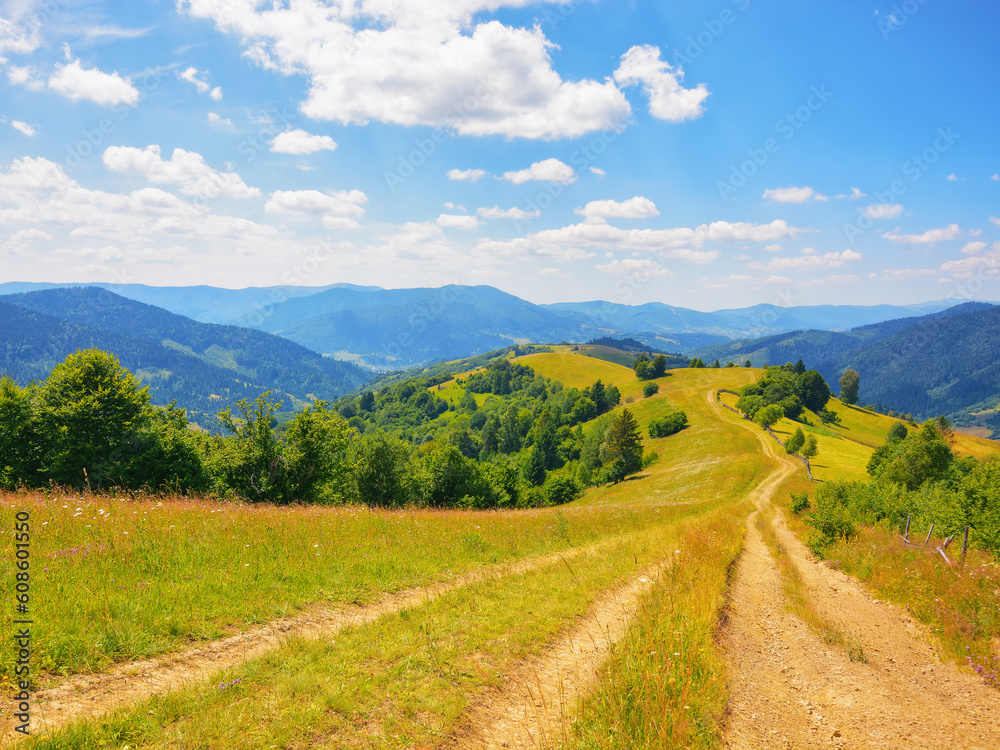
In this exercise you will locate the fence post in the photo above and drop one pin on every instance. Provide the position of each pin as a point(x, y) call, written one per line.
point(906, 535)
point(965, 542)
point(929, 532)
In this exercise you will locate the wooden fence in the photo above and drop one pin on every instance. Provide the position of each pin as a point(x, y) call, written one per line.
point(940, 549)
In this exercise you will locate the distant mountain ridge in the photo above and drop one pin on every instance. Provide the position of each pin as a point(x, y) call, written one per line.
point(203, 366)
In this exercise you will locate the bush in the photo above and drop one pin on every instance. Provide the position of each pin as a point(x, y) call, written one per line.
point(668, 425)
point(800, 502)
point(560, 489)
point(650, 389)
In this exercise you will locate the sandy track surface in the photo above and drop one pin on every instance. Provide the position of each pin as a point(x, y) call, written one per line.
point(791, 690)
point(61, 702)
point(534, 707)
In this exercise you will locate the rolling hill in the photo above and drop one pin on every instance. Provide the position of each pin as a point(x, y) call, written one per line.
point(203, 366)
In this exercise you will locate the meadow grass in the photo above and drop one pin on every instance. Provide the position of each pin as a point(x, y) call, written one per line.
point(958, 604)
point(115, 579)
point(665, 684)
point(401, 681)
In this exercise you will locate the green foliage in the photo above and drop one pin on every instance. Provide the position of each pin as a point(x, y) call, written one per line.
point(621, 451)
point(769, 416)
point(19, 446)
point(315, 453)
point(918, 458)
point(813, 390)
point(800, 502)
point(382, 473)
point(850, 382)
point(91, 414)
point(829, 417)
point(250, 464)
point(560, 489)
point(669, 425)
point(809, 448)
point(831, 521)
point(650, 389)
point(796, 441)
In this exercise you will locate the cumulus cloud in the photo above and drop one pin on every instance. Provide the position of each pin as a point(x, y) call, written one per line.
point(17, 32)
point(635, 266)
point(986, 265)
point(76, 82)
point(300, 142)
point(340, 210)
point(507, 213)
point(217, 120)
point(904, 274)
point(439, 64)
point(809, 261)
point(185, 168)
point(638, 207)
point(971, 248)
point(204, 87)
point(598, 171)
point(550, 170)
point(457, 221)
point(23, 127)
point(793, 195)
point(883, 210)
point(466, 175)
point(668, 100)
point(950, 232)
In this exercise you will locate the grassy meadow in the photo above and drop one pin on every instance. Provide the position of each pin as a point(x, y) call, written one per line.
point(119, 578)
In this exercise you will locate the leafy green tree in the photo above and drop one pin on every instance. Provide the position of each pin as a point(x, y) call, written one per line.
point(91, 411)
point(792, 406)
point(769, 416)
point(897, 432)
point(643, 367)
point(468, 402)
point(659, 366)
point(669, 425)
point(799, 368)
point(382, 473)
point(813, 390)
point(249, 463)
point(315, 456)
point(921, 457)
point(509, 436)
point(19, 449)
point(367, 401)
point(546, 440)
point(850, 383)
point(650, 389)
point(750, 405)
point(534, 466)
point(796, 441)
point(560, 489)
point(621, 451)
point(168, 455)
point(809, 449)
point(583, 411)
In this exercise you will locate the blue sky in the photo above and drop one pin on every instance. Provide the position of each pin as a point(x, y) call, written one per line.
point(704, 154)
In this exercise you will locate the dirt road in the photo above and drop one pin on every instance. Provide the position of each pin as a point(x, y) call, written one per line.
point(790, 690)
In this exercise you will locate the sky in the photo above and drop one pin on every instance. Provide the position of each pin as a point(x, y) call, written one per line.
point(711, 154)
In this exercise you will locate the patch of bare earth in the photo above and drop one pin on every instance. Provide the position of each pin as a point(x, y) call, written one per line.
point(61, 701)
point(788, 689)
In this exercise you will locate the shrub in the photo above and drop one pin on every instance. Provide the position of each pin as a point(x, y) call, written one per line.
point(650, 389)
point(668, 425)
point(800, 502)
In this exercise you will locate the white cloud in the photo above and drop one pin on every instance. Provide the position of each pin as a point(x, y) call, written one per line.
point(950, 232)
point(668, 100)
point(835, 279)
point(971, 248)
point(598, 171)
point(340, 210)
point(507, 213)
point(638, 207)
point(466, 175)
point(952, 178)
point(455, 221)
point(25, 76)
point(856, 194)
point(883, 211)
point(217, 120)
point(185, 168)
point(996, 177)
point(299, 142)
point(17, 32)
point(903, 274)
point(995, 220)
point(23, 127)
point(774, 248)
point(986, 265)
point(550, 170)
point(191, 76)
point(580, 240)
point(74, 81)
point(793, 195)
point(635, 266)
point(216, 94)
point(419, 63)
point(809, 261)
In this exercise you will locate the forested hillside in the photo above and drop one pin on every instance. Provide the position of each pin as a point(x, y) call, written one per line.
point(204, 367)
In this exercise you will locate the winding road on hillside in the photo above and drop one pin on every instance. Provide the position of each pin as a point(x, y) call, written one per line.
point(788, 689)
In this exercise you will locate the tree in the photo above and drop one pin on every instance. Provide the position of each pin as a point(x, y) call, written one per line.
point(650, 389)
point(534, 466)
point(315, 456)
point(249, 463)
point(813, 390)
point(769, 416)
point(643, 367)
point(850, 382)
point(659, 366)
point(382, 475)
point(918, 458)
point(622, 448)
point(19, 450)
point(669, 425)
point(810, 448)
point(91, 411)
point(468, 402)
point(796, 441)
point(799, 367)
